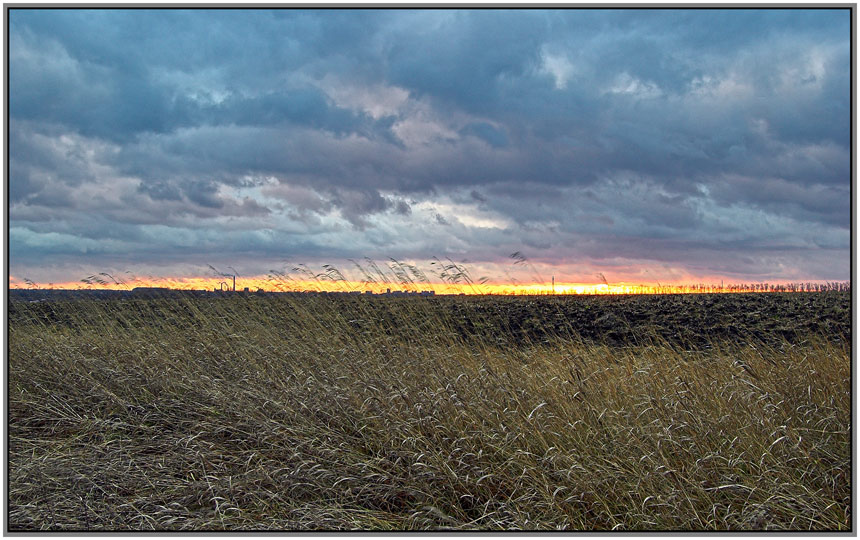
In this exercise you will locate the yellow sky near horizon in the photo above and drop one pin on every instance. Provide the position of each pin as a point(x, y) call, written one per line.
point(277, 284)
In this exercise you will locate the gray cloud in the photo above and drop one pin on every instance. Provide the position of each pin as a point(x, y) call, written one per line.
point(683, 137)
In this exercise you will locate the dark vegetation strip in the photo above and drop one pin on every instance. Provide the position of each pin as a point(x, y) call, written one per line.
point(686, 320)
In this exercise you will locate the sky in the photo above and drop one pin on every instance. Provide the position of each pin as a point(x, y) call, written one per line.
point(632, 146)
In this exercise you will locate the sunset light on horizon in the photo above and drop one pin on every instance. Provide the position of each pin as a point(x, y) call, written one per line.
point(278, 284)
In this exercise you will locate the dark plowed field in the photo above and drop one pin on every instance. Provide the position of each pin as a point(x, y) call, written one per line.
point(686, 320)
point(683, 319)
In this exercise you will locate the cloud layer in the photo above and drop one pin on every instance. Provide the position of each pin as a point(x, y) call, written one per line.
point(637, 143)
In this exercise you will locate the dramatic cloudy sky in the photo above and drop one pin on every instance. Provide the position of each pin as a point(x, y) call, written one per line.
point(646, 145)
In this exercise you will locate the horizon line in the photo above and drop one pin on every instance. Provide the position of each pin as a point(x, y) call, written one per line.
point(271, 284)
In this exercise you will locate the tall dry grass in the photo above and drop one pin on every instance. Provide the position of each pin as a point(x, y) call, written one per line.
point(317, 413)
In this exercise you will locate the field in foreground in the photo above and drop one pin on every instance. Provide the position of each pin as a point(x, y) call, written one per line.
point(461, 413)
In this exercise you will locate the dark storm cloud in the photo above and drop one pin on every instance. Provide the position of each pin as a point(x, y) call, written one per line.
point(356, 204)
point(488, 133)
point(119, 73)
point(821, 203)
point(621, 123)
point(161, 191)
point(463, 57)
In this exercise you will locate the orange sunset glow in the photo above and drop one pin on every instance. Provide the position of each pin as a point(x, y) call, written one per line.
point(279, 284)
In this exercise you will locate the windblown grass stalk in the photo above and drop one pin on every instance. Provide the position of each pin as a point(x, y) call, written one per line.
point(313, 413)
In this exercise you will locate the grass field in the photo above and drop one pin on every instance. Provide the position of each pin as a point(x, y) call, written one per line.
point(699, 412)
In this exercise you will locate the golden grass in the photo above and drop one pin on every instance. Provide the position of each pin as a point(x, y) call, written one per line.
point(308, 413)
